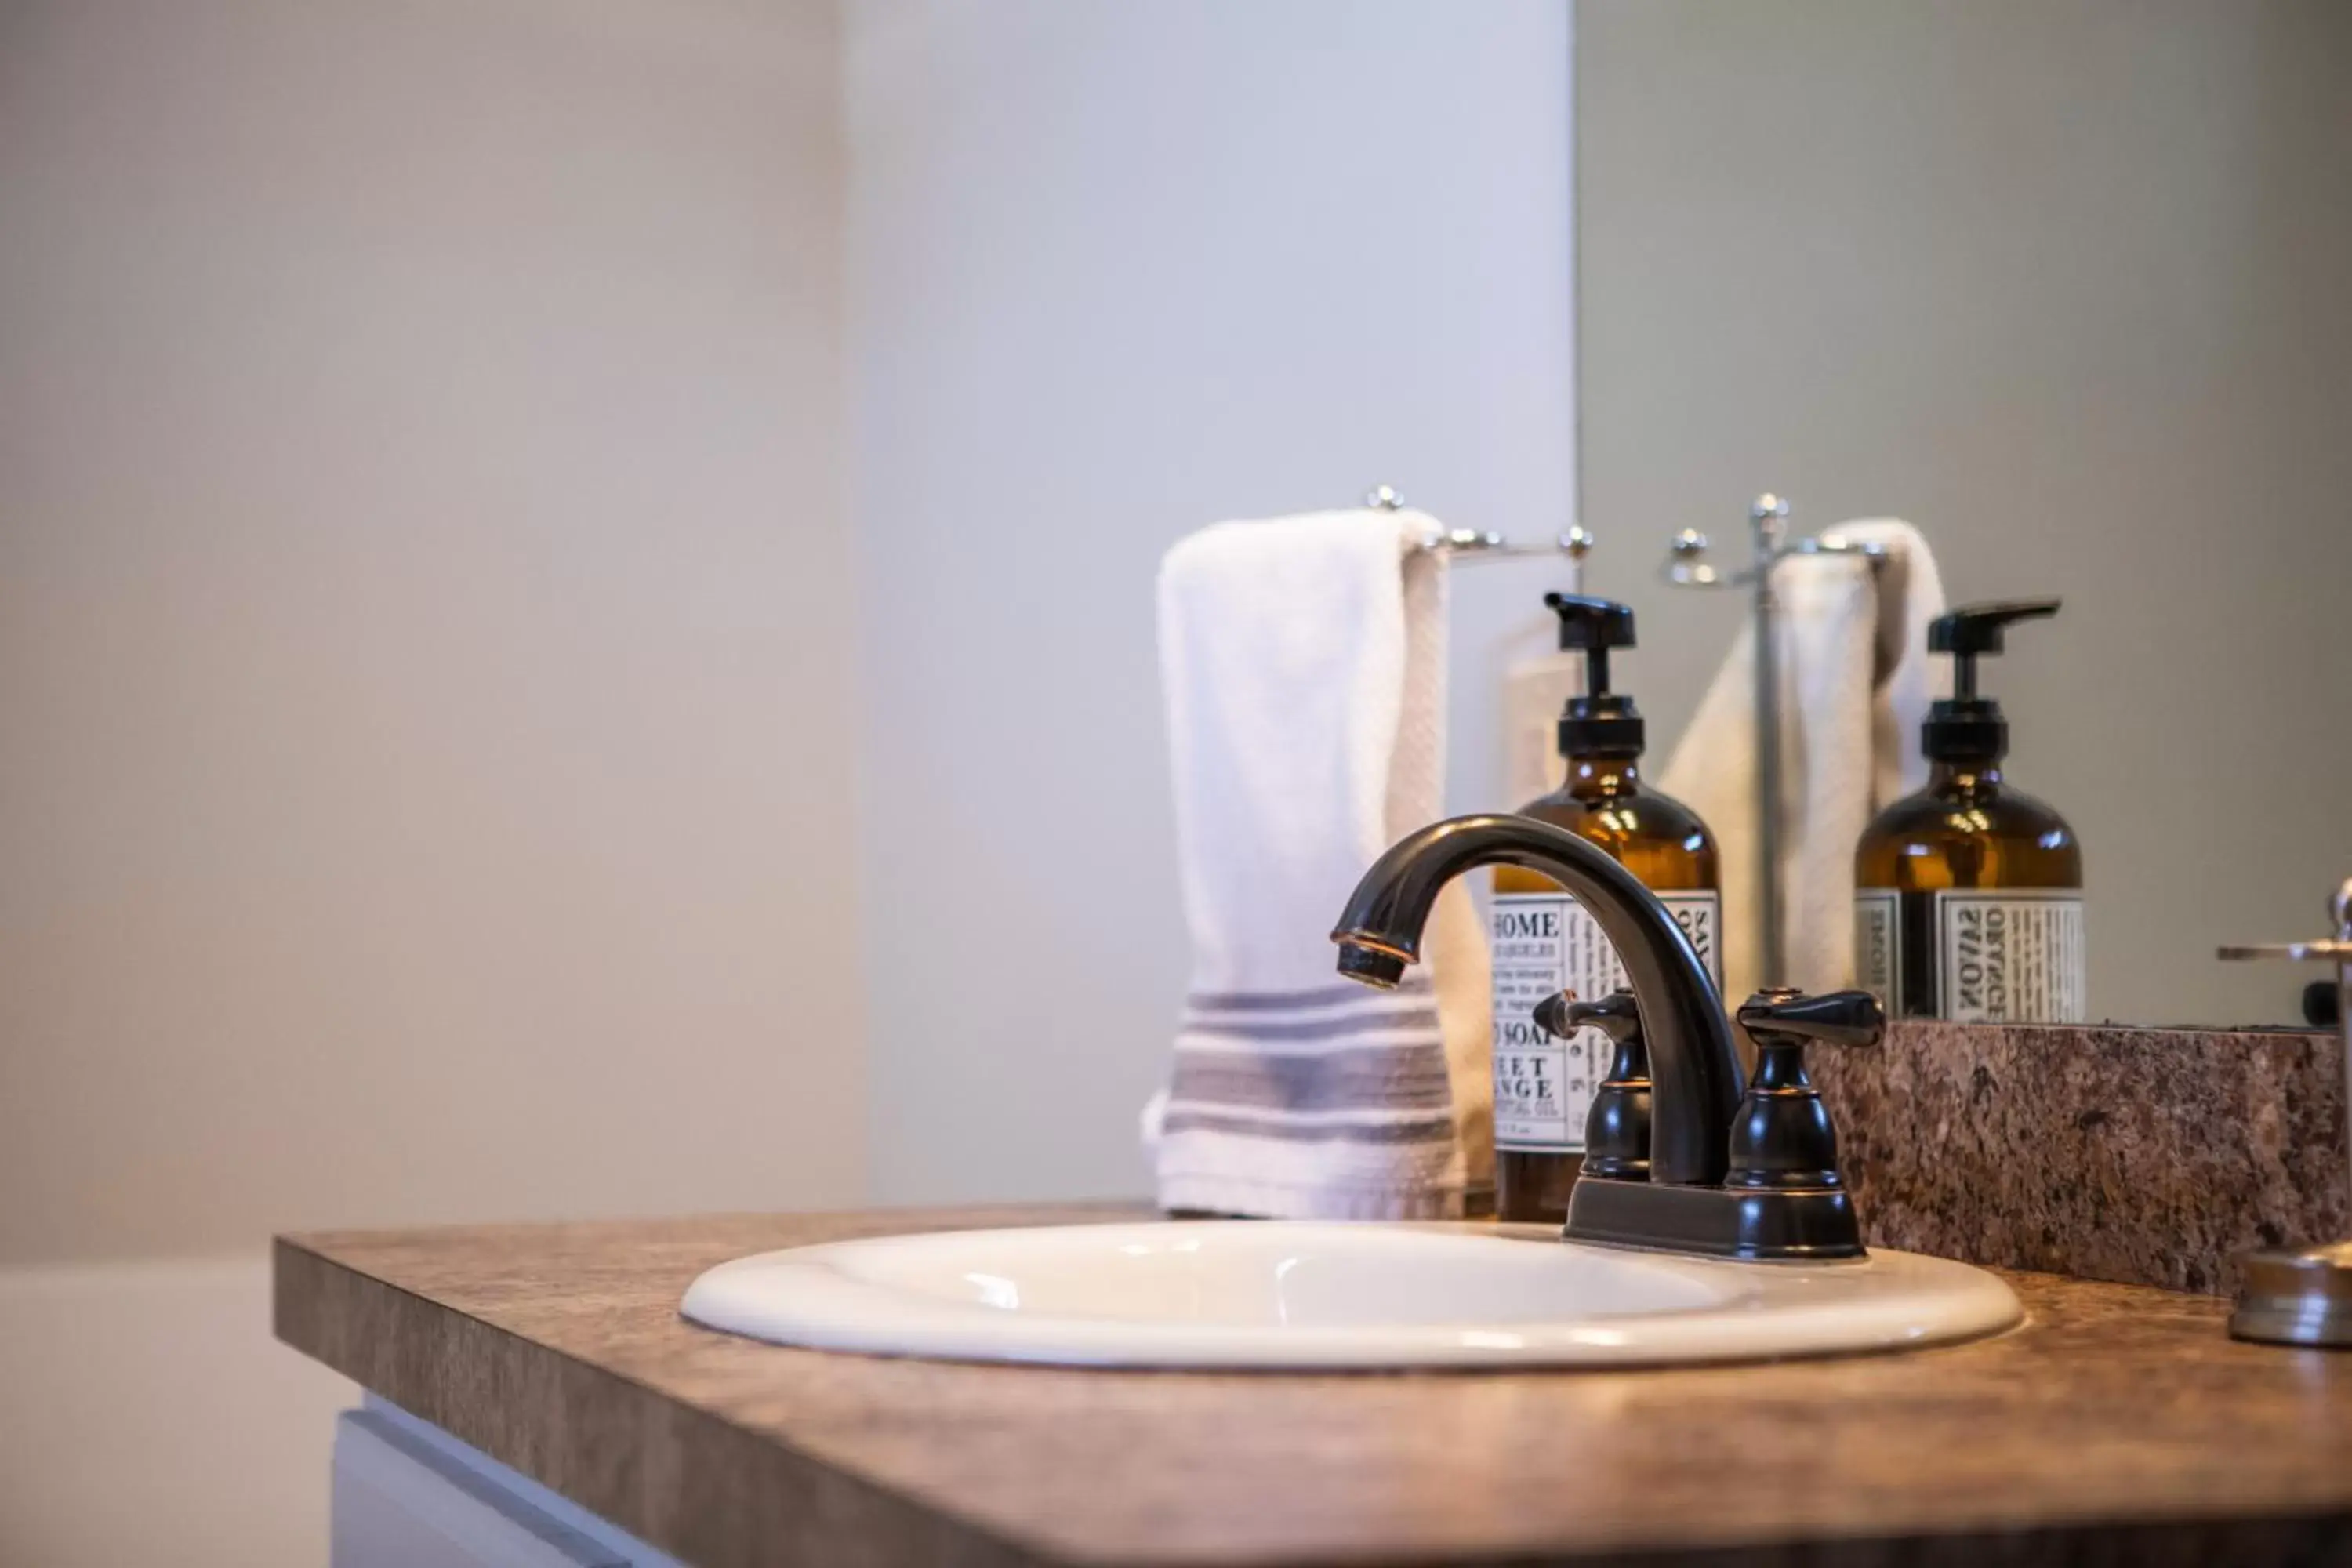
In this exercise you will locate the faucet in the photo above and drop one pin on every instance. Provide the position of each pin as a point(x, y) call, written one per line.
point(1734, 1170)
point(1694, 1069)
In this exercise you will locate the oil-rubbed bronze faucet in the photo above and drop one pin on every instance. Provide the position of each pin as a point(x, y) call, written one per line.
point(1734, 1170)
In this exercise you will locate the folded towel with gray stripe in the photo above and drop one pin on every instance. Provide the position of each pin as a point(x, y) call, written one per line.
point(1303, 663)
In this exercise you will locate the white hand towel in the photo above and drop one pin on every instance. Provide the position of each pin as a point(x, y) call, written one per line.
point(1855, 682)
point(1302, 661)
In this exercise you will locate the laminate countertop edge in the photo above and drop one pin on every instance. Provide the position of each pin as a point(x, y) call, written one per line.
point(745, 1496)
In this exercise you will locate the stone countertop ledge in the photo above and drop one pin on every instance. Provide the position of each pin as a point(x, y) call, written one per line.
point(2140, 1156)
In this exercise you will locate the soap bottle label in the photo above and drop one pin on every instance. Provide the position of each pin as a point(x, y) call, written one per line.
point(1878, 943)
point(1545, 943)
point(2011, 955)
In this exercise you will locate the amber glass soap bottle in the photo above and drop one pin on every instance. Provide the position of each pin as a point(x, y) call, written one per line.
point(1968, 895)
point(1544, 943)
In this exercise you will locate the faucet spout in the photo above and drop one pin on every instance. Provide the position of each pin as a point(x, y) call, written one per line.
point(1694, 1069)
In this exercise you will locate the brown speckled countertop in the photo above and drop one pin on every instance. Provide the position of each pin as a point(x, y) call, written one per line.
point(2143, 1156)
point(2119, 1425)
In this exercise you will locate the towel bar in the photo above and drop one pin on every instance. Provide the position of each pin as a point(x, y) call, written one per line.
point(1478, 544)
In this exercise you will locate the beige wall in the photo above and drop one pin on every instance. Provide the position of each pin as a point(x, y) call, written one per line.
point(1123, 271)
point(151, 1419)
point(423, 588)
point(2065, 284)
point(425, 723)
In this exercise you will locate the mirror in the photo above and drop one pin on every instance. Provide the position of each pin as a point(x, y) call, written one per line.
point(2065, 286)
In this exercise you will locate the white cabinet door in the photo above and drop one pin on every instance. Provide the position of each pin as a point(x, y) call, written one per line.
point(408, 1494)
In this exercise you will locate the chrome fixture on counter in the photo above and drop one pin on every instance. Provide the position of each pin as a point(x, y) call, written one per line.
point(1734, 1170)
point(1471, 544)
point(2302, 1296)
point(1687, 566)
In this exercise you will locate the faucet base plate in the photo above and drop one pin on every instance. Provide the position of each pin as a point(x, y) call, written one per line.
point(1760, 1225)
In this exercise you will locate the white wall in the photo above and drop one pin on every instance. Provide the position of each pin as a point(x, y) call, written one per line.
point(423, 579)
point(1123, 271)
point(2064, 284)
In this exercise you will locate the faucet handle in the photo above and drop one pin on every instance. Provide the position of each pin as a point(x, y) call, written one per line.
point(1839, 1018)
point(1614, 1015)
point(1782, 1137)
point(1617, 1128)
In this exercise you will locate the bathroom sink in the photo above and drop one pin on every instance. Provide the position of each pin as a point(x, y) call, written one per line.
point(1308, 1295)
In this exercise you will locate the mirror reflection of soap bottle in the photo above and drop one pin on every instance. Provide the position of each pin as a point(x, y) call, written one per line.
point(1968, 894)
point(1544, 943)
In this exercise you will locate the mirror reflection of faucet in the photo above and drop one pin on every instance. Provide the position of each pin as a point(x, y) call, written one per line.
point(2302, 1296)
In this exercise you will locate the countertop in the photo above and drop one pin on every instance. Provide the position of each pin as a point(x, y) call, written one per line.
point(2118, 1425)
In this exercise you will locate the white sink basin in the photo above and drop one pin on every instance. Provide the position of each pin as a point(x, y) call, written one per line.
point(1274, 1294)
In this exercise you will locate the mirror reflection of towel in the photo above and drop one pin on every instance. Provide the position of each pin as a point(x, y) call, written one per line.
point(1855, 682)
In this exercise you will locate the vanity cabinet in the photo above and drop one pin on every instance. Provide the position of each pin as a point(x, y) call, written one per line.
point(408, 1494)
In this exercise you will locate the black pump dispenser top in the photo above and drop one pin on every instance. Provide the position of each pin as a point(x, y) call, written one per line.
point(1965, 728)
point(1601, 723)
